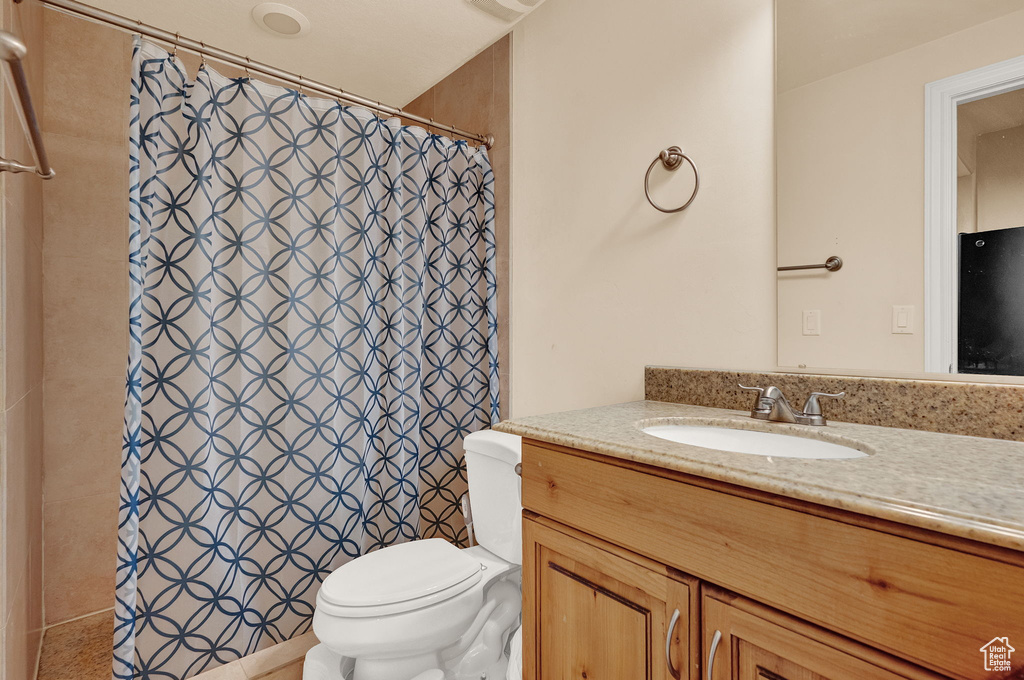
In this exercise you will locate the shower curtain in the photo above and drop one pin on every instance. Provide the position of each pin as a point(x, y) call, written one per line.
point(313, 333)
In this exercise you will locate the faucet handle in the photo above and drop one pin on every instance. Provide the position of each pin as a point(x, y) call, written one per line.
point(813, 408)
point(760, 395)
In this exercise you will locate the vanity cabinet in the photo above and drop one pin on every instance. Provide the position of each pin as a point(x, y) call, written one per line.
point(605, 617)
point(799, 591)
point(747, 641)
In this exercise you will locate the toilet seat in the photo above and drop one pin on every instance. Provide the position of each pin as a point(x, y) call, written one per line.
point(399, 578)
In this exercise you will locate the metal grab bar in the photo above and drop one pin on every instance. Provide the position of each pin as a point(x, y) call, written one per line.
point(833, 264)
point(12, 50)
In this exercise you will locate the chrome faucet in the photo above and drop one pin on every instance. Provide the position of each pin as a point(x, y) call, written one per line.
point(772, 405)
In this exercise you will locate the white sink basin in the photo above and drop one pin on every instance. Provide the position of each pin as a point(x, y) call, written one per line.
point(752, 442)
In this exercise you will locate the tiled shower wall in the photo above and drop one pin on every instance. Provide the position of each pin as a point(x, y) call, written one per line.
point(85, 292)
point(85, 299)
point(21, 389)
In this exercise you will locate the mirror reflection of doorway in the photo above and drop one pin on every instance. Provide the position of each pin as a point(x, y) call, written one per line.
point(991, 318)
point(990, 215)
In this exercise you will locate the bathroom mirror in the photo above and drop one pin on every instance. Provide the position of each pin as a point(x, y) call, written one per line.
point(900, 150)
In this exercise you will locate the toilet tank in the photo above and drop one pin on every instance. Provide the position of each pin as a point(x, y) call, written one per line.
point(494, 492)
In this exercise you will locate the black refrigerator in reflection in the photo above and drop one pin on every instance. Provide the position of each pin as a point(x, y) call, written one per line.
point(991, 315)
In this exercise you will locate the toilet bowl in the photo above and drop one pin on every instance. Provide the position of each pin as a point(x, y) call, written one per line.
point(427, 610)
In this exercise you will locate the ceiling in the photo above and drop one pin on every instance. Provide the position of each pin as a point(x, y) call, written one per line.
point(387, 50)
point(992, 114)
point(819, 38)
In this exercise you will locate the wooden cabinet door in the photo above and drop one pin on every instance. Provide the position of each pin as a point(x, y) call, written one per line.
point(744, 640)
point(593, 614)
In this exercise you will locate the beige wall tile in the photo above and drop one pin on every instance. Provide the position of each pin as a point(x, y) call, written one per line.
point(464, 98)
point(85, 98)
point(24, 190)
point(36, 619)
point(85, 85)
point(23, 534)
point(81, 649)
point(80, 555)
point(19, 657)
point(23, 300)
point(24, 485)
point(283, 654)
point(85, 210)
point(23, 632)
point(85, 305)
point(20, 391)
point(82, 440)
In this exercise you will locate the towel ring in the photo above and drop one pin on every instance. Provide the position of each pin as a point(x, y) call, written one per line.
point(671, 158)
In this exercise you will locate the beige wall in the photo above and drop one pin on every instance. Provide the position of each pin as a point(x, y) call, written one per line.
point(602, 283)
point(21, 395)
point(1000, 173)
point(851, 183)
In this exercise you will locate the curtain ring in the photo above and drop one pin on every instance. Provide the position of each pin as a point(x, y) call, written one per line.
point(202, 55)
point(174, 47)
point(248, 76)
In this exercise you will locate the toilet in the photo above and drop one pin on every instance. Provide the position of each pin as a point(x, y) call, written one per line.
point(426, 610)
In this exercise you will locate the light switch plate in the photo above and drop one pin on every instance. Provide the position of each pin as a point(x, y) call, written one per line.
point(812, 322)
point(903, 319)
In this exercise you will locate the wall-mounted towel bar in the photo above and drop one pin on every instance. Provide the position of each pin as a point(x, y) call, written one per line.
point(13, 51)
point(833, 264)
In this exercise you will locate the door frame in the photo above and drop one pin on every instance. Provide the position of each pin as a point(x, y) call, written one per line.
point(940, 219)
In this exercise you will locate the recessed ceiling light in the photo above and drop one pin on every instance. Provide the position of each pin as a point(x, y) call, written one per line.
point(281, 20)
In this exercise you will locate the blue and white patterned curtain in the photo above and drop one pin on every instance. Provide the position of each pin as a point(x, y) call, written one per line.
point(313, 334)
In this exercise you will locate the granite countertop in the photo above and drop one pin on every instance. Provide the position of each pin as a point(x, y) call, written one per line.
point(969, 487)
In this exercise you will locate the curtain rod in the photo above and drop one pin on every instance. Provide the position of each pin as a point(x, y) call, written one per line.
point(136, 26)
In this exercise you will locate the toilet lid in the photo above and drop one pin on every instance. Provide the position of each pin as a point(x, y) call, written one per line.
point(400, 573)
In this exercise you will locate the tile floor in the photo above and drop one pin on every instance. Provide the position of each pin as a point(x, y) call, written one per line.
point(82, 650)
